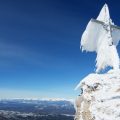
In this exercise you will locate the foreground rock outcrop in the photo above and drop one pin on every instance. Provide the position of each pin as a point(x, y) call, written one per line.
point(100, 98)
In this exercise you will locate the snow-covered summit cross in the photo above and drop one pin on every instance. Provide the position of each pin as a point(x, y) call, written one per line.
point(102, 36)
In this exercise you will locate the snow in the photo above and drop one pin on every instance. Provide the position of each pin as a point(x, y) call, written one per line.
point(102, 37)
point(105, 89)
point(104, 14)
point(100, 98)
point(89, 80)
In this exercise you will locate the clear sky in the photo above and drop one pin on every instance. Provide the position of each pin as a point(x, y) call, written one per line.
point(39, 46)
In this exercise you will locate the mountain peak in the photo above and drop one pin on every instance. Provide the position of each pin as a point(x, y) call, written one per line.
point(100, 99)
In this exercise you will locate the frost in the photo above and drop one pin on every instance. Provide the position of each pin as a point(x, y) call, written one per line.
point(102, 36)
point(103, 92)
point(100, 98)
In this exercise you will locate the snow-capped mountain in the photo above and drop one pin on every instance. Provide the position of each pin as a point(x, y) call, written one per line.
point(100, 98)
point(29, 109)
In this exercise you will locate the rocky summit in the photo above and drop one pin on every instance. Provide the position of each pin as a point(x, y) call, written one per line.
point(100, 97)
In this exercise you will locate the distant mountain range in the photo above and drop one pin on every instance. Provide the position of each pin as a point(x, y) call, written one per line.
point(21, 109)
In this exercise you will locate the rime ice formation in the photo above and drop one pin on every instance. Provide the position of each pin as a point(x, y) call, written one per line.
point(101, 97)
point(100, 93)
point(102, 36)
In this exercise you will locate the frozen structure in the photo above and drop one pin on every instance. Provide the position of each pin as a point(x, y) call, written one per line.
point(100, 96)
point(102, 36)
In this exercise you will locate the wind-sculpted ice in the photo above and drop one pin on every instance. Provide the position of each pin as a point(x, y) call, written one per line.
point(102, 36)
point(100, 96)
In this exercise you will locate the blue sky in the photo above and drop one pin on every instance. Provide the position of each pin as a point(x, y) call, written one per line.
point(39, 46)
